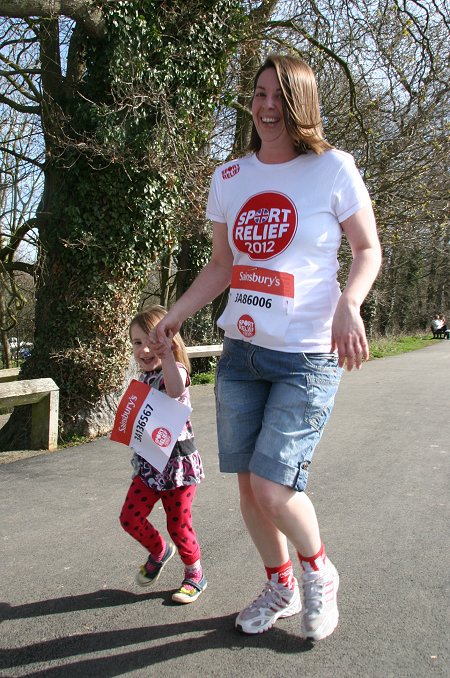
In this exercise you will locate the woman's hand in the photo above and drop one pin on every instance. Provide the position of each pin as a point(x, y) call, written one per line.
point(348, 336)
point(166, 328)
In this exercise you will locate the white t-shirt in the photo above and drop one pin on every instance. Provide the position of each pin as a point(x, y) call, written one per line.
point(284, 231)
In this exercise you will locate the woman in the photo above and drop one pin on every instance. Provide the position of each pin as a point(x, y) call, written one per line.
point(278, 215)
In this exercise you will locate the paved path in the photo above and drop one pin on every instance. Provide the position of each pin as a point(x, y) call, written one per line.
point(380, 486)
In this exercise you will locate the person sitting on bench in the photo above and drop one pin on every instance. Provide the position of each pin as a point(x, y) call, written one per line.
point(437, 326)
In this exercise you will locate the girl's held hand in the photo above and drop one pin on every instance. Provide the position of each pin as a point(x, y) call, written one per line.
point(348, 336)
point(161, 346)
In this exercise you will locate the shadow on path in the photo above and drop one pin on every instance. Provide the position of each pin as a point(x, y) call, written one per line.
point(195, 637)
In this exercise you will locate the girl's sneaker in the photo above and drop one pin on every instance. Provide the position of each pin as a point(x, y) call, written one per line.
point(189, 590)
point(274, 602)
point(149, 573)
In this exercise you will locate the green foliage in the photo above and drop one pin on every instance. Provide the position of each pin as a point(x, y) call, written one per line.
point(203, 378)
point(145, 111)
point(382, 347)
point(73, 441)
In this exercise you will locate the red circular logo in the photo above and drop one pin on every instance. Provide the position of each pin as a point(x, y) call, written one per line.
point(161, 436)
point(246, 326)
point(265, 225)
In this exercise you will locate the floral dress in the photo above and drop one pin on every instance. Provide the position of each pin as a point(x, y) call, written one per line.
point(185, 464)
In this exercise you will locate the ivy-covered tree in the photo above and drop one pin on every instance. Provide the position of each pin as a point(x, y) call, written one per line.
point(124, 111)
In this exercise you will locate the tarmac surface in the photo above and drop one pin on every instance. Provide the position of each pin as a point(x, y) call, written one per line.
point(379, 482)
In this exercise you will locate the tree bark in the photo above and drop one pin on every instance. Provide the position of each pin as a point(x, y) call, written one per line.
point(85, 11)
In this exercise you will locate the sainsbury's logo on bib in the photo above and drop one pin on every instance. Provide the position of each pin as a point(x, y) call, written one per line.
point(246, 326)
point(265, 225)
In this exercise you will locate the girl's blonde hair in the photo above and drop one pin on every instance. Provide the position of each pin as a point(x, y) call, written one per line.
point(300, 104)
point(148, 319)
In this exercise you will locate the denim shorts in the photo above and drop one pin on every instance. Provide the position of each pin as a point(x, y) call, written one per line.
point(271, 410)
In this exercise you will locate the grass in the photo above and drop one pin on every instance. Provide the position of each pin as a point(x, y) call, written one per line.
point(203, 378)
point(382, 347)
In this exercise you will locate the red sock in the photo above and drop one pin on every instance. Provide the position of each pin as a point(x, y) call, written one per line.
point(313, 563)
point(282, 575)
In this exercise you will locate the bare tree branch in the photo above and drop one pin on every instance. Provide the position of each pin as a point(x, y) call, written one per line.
point(21, 156)
point(20, 108)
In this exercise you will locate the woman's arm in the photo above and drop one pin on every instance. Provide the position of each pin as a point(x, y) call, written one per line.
point(348, 332)
point(209, 283)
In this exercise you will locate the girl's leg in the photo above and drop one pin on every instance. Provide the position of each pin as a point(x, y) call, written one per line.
point(138, 504)
point(177, 505)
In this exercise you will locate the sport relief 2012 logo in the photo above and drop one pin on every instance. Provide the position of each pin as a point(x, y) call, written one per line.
point(246, 326)
point(161, 436)
point(230, 171)
point(265, 225)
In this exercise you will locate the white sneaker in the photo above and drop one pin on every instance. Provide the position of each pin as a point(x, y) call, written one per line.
point(320, 612)
point(274, 602)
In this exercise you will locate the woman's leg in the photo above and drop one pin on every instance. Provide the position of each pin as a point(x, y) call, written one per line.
point(290, 513)
point(280, 596)
point(269, 540)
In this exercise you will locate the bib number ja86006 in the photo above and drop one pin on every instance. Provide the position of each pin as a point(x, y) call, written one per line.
point(253, 300)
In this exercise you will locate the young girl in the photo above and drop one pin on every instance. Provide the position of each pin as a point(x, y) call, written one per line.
point(165, 367)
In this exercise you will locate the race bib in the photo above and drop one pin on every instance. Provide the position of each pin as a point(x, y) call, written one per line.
point(260, 305)
point(149, 422)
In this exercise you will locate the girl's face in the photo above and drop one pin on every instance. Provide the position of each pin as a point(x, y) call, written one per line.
point(267, 112)
point(142, 352)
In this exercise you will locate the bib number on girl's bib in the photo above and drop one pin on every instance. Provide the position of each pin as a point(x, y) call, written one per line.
point(260, 305)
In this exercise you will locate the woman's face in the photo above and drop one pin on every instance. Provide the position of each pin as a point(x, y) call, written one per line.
point(267, 111)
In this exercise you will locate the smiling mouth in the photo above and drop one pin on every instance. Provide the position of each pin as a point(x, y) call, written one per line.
point(269, 121)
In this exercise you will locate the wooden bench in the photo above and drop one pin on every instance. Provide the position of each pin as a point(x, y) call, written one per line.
point(204, 351)
point(43, 396)
point(441, 333)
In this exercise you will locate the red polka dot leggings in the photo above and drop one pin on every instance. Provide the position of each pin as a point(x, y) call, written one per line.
point(177, 503)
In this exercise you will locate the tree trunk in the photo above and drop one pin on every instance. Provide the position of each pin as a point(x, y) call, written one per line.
point(82, 314)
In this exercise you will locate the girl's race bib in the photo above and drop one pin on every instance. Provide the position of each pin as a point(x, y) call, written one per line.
point(149, 422)
point(260, 305)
